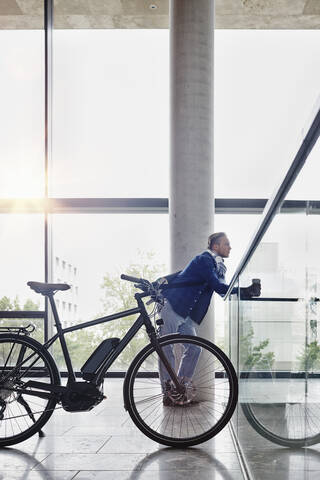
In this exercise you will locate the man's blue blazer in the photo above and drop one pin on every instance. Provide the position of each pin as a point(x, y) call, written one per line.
point(193, 300)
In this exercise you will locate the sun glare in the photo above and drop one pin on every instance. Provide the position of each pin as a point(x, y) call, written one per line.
point(21, 183)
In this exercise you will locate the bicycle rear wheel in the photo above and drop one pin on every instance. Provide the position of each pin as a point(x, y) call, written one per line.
point(22, 415)
point(216, 393)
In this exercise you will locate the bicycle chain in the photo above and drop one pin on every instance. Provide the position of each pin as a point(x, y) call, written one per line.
point(34, 413)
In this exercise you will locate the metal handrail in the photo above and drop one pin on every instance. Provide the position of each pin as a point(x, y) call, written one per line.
point(278, 197)
point(22, 314)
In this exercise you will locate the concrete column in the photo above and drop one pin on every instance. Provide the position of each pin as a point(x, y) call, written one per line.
point(191, 203)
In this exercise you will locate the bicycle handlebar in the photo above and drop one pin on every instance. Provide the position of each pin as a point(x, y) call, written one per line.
point(155, 289)
point(150, 286)
point(129, 278)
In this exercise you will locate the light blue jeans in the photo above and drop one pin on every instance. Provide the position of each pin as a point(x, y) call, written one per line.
point(173, 323)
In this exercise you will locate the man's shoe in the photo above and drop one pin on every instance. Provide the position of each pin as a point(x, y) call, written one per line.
point(172, 398)
point(183, 402)
point(167, 402)
point(189, 396)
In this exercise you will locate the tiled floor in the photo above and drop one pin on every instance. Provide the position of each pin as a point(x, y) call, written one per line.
point(104, 444)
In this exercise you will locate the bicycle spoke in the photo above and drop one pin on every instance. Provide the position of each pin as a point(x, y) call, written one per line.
point(168, 414)
point(21, 415)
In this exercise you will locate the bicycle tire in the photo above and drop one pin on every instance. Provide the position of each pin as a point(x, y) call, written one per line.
point(16, 424)
point(216, 387)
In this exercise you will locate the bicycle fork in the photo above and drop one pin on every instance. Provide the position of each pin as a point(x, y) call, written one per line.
point(154, 342)
point(175, 379)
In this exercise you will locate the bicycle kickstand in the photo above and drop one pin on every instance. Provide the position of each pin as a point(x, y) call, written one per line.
point(22, 402)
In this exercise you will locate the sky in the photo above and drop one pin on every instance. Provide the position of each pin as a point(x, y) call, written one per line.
point(111, 139)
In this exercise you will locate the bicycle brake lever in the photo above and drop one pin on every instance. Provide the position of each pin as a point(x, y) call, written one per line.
point(140, 286)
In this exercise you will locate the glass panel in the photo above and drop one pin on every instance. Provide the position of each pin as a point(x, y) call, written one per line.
point(22, 110)
point(306, 186)
point(111, 111)
point(231, 340)
point(90, 252)
point(22, 259)
point(239, 229)
point(259, 117)
point(277, 334)
point(272, 336)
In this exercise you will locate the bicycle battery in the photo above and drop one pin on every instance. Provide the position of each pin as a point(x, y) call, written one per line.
point(98, 356)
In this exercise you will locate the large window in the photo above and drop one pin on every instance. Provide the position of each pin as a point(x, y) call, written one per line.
point(111, 113)
point(110, 140)
point(22, 259)
point(22, 113)
point(92, 250)
point(22, 255)
point(266, 83)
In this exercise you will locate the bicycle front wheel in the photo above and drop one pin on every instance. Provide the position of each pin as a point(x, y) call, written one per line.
point(215, 398)
point(22, 414)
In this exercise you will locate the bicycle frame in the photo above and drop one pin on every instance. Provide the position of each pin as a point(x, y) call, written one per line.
point(143, 319)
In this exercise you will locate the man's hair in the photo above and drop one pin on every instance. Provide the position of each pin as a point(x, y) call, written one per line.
point(214, 239)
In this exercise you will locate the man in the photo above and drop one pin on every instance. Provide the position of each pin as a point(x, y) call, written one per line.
point(186, 306)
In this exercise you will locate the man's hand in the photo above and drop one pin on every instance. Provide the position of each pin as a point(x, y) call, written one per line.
point(160, 281)
point(254, 290)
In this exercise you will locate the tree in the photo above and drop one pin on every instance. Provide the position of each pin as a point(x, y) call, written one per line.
point(80, 345)
point(252, 356)
point(118, 295)
point(309, 360)
point(8, 305)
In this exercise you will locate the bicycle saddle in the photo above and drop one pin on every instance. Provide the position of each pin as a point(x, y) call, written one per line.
point(47, 288)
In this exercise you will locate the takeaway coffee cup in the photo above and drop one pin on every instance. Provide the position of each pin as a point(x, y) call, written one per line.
point(256, 282)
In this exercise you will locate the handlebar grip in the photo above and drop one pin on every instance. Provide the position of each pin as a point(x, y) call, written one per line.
point(130, 279)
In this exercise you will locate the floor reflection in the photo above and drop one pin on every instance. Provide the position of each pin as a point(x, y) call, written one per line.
point(181, 461)
point(164, 464)
point(23, 463)
point(105, 445)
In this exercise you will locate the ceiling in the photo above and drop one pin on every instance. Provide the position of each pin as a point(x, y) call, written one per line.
point(230, 14)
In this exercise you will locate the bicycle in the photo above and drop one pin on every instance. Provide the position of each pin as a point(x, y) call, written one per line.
point(30, 382)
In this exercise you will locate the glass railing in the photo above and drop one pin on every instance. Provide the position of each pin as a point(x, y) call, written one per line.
point(274, 339)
